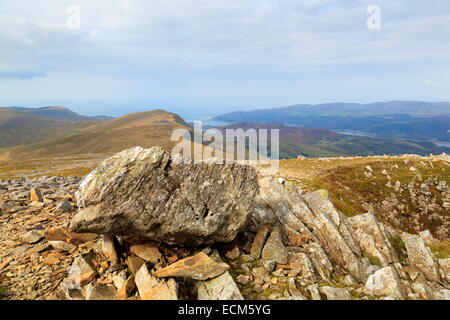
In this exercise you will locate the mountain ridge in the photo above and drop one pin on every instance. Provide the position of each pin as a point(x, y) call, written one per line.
point(395, 119)
point(317, 142)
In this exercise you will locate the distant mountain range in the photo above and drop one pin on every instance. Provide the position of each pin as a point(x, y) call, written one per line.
point(411, 120)
point(25, 135)
point(23, 128)
point(314, 142)
point(63, 138)
point(58, 113)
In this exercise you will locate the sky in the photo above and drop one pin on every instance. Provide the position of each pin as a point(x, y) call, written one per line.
point(206, 57)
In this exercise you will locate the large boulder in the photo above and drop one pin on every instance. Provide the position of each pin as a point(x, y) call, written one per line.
point(143, 194)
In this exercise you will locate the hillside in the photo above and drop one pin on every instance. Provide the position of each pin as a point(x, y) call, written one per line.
point(58, 113)
point(397, 119)
point(313, 142)
point(150, 229)
point(144, 129)
point(410, 193)
point(21, 128)
point(423, 129)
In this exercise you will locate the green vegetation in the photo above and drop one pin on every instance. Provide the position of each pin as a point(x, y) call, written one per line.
point(413, 120)
point(146, 129)
point(2, 291)
point(314, 142)
point(400, 248)
point(373, 260)
point(355, 190)
point(441, 249)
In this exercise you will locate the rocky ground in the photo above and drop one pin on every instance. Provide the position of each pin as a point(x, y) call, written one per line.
point(288, 244)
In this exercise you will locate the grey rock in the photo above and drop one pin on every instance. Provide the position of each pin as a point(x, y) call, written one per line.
point(332, 293)
point(140, 194)
point(420, 257)
point(274, 248)
point(64, 207)
point(316, 219)
point(442, 295)
point(32, 237)
point(62, 246)
point(385, 282)
point(100, 292)
point(152, 288)
point(373, 238)
point(220, 288)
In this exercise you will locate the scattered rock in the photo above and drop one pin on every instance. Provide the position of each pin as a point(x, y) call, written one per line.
point(259, 241)
point(64, 207)
point(62, 246)
point(152, 288)
point(134, 263)
point(81, 272)
point(109, 249)
point(100, 292)
point(198, 267)
point(36, 195)
point(233, 254)
point(274, 248)
point(221, 288)
point(125, 289)
point(335, 293)
point(148, 251)
point(243, 279)
point(32, 237)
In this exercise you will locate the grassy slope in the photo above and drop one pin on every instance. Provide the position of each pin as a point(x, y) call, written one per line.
point(145, 129)
point(352, 191)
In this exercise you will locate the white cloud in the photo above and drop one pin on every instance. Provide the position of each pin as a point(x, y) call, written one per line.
point(133, 38)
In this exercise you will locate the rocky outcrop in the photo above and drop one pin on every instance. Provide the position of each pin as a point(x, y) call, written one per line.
point(293, 245)
point(421, 258)
point(141, 194)
point(314, 216)
point(373, 238)
point(385, 282)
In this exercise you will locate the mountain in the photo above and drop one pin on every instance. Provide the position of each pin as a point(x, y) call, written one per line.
point(22, 128)
point(58, 113)
point(31, 136)
point(144, 129)
point(396, 119)
point(422, 129)
point(313, 142)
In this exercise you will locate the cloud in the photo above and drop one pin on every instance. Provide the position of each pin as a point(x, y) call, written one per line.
point(225, 41)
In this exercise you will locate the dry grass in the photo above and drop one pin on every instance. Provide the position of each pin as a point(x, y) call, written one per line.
point(440, 249)
point(63, 166)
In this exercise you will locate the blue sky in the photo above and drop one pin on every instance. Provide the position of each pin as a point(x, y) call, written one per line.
point(206, 57)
